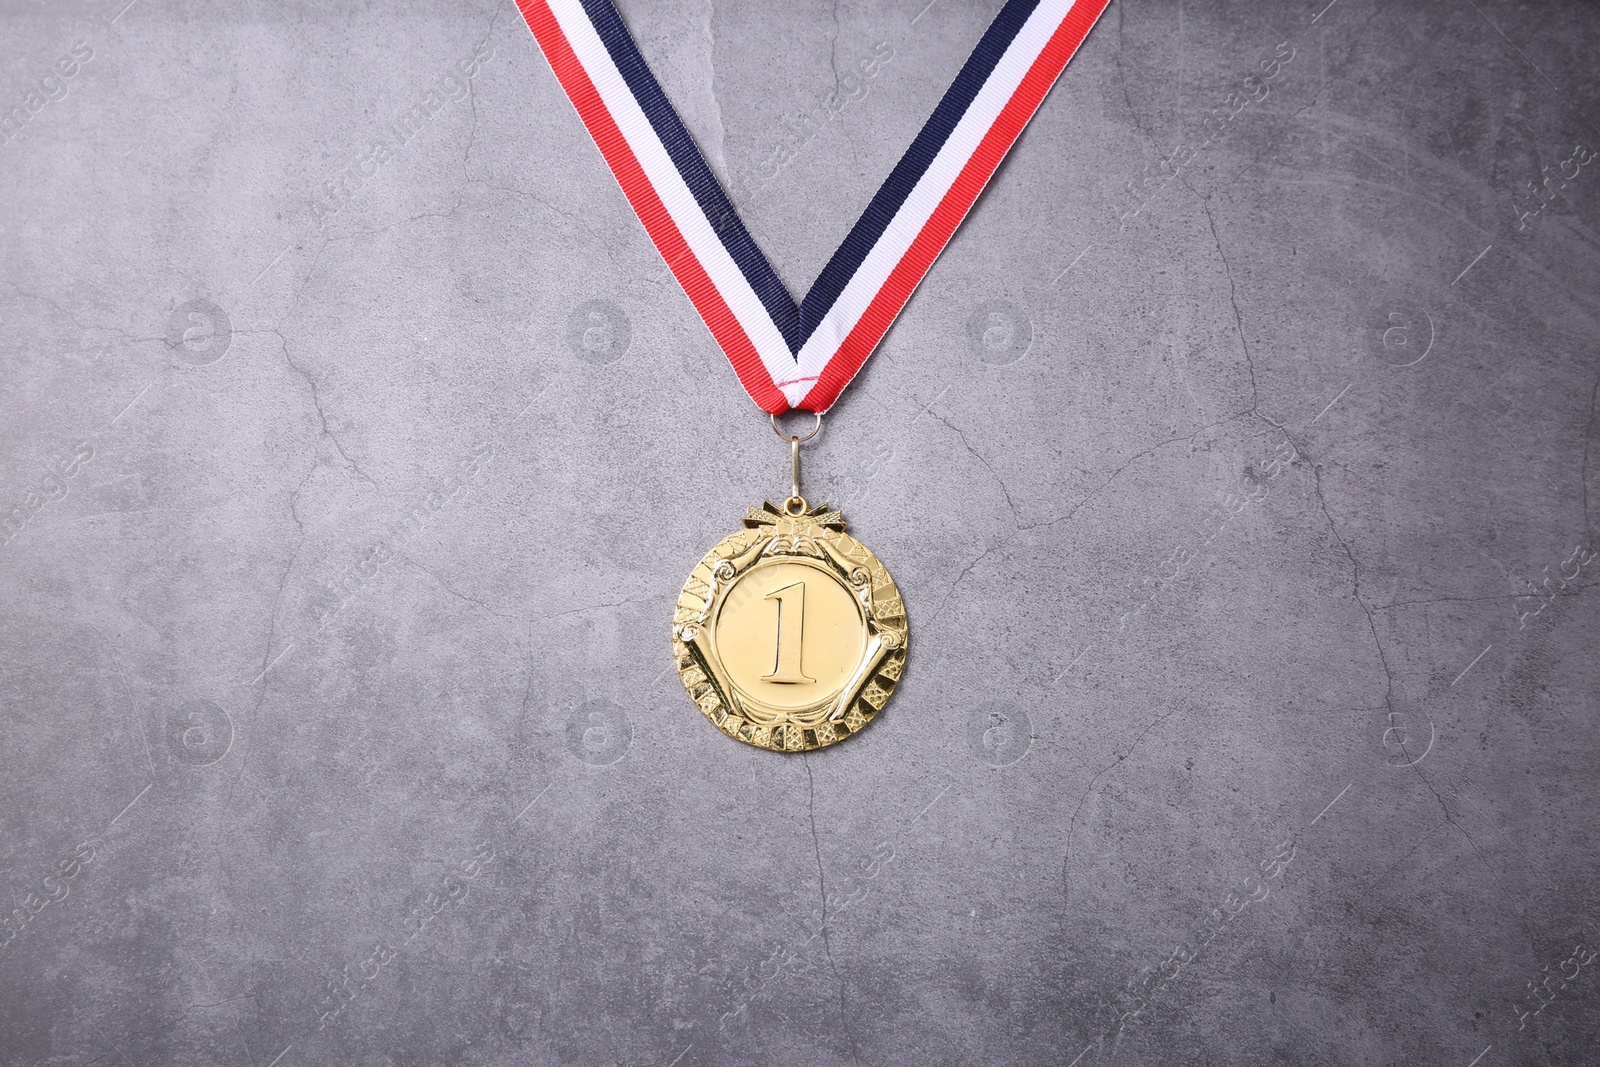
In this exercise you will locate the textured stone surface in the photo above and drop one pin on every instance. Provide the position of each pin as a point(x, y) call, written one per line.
point(1217, 498)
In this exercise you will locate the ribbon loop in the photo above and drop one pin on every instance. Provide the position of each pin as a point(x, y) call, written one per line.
point(803, 355)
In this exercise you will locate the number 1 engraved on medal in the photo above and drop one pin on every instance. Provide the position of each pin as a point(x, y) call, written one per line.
point(786, 667)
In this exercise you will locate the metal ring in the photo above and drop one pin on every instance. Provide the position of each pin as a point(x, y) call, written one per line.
point(790, 437)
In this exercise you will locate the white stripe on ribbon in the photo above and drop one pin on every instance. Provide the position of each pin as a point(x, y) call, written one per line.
point(691, 221)
point(930, 190)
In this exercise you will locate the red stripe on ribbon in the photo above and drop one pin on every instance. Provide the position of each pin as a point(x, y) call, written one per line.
point(658, 222)
point(957, 202)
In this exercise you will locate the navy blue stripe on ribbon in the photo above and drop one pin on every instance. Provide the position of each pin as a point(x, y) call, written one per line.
point(685, 155)
point(881, 211)
point(696, 175)
point(796, 323)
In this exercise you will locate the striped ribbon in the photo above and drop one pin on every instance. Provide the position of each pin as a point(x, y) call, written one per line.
point(787, 354)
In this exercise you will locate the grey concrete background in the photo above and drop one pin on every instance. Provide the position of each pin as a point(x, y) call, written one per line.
point(1241, 505)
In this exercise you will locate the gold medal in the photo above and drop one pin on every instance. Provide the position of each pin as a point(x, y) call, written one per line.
point(790, 634)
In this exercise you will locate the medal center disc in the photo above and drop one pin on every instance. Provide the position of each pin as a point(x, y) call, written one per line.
point(790, 634)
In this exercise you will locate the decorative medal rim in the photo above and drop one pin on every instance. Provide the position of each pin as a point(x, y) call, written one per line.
point(815, 536)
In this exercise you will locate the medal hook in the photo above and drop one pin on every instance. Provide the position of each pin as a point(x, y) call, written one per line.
point(796, 504)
